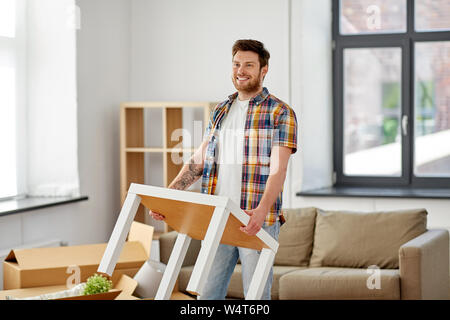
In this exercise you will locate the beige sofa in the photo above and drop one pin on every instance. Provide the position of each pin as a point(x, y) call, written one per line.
point(348, 255)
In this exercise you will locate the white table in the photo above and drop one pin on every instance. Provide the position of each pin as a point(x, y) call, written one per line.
point(213, 219)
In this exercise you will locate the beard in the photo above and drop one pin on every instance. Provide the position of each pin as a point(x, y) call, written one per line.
point(250, 86)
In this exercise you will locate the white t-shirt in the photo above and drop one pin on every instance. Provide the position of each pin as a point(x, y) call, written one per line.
point(231, 152)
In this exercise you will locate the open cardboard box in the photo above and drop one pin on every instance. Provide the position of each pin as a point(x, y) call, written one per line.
point(43, 267)
point(123, 289)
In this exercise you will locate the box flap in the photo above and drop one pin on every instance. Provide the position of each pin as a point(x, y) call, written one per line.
point(83, 255)
point(132, 252)
point(127, 285)
point(142, 233)
point(56, 257)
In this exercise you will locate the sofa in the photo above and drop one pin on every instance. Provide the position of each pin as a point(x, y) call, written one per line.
point(326, 254)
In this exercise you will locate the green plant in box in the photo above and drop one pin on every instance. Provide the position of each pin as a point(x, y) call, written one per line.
point(97, 284)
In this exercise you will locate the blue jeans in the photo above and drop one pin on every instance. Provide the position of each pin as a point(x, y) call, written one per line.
point(223, 266)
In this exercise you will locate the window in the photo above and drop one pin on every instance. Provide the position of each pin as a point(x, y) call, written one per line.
point(38, 124)
point(391, 82)
point(11, 40)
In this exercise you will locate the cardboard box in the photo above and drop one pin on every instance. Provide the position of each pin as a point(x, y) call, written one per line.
point(176, 295)
point(127, 285)
point(27, 268)
point(122, 290)
point(119, 272)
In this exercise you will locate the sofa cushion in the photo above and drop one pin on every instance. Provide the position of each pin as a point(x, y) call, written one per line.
point(183, 277)
point(359, 240)
point(166, 243)
point(339, 283)
point(296, 237)
point(235, 288)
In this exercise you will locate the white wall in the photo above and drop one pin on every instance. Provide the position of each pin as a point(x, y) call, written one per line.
point(103, 73)
point(182, 49)
point(312, 94)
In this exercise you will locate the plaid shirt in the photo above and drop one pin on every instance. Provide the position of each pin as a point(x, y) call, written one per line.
point(270, 122)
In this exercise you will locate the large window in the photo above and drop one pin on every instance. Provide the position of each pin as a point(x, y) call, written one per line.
point(391, 80)
point(38, 125)
point(11, 80)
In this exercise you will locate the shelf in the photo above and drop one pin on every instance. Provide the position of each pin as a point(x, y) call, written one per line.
point(152, 148)
point(168, 104)
point(137, 149)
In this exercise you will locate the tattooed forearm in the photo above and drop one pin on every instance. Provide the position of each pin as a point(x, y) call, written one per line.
point(195, 168)
point(188, 175)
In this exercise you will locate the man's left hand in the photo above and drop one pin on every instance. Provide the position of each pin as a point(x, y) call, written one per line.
point(257, 217)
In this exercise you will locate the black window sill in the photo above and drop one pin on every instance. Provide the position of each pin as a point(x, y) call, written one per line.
point(8, 207)
point(378, 192)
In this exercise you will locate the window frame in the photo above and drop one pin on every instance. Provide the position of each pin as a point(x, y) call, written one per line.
point(406, 41)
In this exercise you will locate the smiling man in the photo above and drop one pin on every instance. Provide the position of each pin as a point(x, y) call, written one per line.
point(244, 156)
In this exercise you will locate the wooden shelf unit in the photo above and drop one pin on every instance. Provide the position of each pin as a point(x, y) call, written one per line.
point(133, 148)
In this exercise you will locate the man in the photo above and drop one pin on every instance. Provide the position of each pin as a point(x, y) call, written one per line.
point(244, 156)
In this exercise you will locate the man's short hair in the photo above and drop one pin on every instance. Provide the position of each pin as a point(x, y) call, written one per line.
point(255, 46)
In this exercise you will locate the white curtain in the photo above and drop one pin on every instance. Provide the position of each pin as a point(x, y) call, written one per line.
point(52, 159)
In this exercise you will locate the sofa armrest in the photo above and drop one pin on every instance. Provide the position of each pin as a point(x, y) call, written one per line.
point(424, 266)
point(166, 243)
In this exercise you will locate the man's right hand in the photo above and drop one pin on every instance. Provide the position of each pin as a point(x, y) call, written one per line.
point(156, 215)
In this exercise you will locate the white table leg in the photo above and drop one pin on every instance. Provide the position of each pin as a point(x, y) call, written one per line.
point(208, 251)
point(259, 279)
point(173, 267)
point(119, 234)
